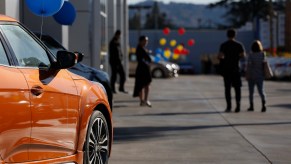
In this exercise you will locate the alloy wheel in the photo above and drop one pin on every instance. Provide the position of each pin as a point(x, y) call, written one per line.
point(97, 141)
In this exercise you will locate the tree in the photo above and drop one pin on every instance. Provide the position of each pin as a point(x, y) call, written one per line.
point(157, 20)
point(240, 12)
point(134, 22)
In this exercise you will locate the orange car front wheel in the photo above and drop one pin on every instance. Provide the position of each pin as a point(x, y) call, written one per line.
point(97, 140)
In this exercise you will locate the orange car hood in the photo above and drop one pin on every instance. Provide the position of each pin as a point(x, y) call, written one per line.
point(75, 76)
point(6, 18)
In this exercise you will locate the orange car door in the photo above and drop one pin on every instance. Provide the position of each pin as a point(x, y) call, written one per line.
point(54, 114)
point(15, 115)
point(54, 99)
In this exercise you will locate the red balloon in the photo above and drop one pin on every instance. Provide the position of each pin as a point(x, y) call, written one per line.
point(185, 52)
point(181, 31)
point(191, 42)
point(176, 51)
point(166, 31)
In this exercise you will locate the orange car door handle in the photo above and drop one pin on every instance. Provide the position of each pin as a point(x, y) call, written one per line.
point(36, 90)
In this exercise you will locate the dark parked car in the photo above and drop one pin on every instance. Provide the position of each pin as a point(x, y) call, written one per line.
point(160, 69)
point(83, 70)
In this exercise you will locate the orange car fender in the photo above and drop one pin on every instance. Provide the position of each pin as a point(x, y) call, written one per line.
point(92, 98)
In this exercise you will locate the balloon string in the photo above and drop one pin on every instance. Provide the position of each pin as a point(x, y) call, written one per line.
point(42, 12)
point(41, 27)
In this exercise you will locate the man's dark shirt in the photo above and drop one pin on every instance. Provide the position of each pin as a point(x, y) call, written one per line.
point(115, 54)
point(231, 50)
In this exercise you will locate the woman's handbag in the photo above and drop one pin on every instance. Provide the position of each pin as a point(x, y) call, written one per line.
point(267, 70)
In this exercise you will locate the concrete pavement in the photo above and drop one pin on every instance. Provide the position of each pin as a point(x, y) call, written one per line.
point(187, 125)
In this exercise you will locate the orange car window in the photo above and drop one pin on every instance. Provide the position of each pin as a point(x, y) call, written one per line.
point(3, 57)
point(27, 51)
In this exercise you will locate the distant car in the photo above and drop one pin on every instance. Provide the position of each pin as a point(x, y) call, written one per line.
point(186, 68)
point(47, 113)
point(282, 68)
point(161, 69)
point(83, 70)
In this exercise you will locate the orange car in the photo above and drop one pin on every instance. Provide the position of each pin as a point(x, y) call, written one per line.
point(47, 114)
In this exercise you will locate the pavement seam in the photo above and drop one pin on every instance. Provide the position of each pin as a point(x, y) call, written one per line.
point(233, 127)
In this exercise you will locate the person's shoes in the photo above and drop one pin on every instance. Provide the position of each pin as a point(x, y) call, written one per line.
point(142, 103)
point(148, 103)
point(123, 91)
point(251, 109)
point(227, 110)
point(113, 91)
point(237, 109)
point(264, 109)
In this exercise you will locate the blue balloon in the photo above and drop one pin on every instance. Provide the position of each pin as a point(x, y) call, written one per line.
point(159, 51)
point(165, 58)
point(67, 14)
point(157, 59)
point(44, 7)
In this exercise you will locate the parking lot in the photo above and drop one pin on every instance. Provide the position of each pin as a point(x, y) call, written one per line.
point(187, 125)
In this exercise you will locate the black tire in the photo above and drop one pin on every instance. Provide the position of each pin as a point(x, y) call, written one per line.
point(96, 148)
point(158, 73)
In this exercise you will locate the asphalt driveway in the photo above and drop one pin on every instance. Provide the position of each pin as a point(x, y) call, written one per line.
point(187, 125)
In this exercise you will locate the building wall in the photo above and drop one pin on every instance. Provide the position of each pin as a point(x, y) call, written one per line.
point(2, 7)
point(10, 8)
point(86, 32)
point(79, 33)
point(206, 42)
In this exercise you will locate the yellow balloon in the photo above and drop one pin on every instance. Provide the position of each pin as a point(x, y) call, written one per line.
point(167, 53)
point(180, 47)
point(173, 43)
point(176, 56)
point(163, 41)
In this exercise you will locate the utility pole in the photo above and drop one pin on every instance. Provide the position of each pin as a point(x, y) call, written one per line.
point(271, 13)
point(288, 26)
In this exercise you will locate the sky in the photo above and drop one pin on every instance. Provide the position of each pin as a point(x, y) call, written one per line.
point(186, 1)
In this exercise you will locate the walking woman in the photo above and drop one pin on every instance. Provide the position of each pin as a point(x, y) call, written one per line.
point(255, 74)
point(143, 77)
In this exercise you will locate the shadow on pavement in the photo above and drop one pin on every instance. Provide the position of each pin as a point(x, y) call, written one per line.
point(170, 99)
point(139, 133)
point(120, 106)
point(288, 106)
point(174, 114)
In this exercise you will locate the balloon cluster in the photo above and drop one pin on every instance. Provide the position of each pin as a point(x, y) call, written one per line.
point(178, 49)
point(63, 11)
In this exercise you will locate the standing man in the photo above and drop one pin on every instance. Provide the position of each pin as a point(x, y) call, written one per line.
point(115, 58)
point(230, 53)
